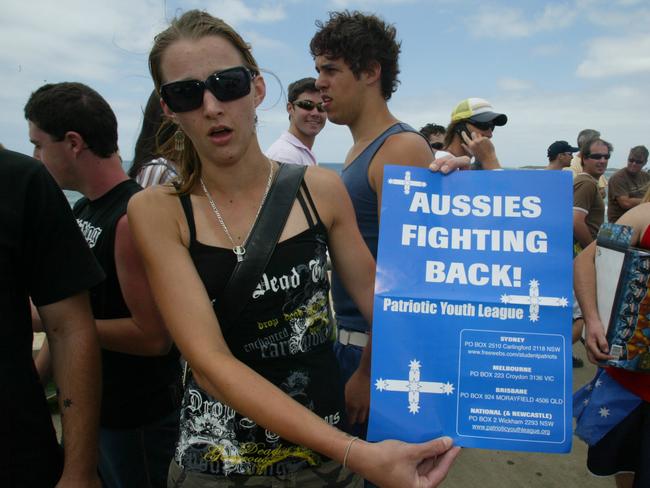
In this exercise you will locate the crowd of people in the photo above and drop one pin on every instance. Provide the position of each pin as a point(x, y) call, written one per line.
point(189, 325)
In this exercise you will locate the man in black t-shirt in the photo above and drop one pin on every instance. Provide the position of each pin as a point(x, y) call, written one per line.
point(43, 255)
point(74, 132)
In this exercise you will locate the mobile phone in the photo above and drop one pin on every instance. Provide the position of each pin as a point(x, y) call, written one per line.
point(460, 128)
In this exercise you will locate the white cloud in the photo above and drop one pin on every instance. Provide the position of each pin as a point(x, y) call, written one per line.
point(616, 56)
point(258, 41)
point(502, 22)
point(102, 44)
point(548, 49)
point(630, 20)
point(237, 12)
point(627, 3)
point(513, 84)
point(365, 3)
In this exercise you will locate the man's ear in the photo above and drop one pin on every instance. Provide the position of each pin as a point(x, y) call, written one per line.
point(372, 73)
point(290, 110)
point(75, 142)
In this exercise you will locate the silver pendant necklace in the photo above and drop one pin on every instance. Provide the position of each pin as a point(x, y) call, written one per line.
point(238, 249)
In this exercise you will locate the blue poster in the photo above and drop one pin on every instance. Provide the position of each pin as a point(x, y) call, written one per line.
point(472, 312)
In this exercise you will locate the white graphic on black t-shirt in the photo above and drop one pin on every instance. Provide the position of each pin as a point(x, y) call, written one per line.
point(300, 325)
point(90, 232)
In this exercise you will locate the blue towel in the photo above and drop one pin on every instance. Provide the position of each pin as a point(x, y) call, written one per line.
point(600, 405)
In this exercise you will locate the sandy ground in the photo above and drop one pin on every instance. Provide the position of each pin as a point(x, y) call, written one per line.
point(506, 469)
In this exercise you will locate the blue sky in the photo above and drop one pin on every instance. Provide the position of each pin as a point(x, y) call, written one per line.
point(553, 67)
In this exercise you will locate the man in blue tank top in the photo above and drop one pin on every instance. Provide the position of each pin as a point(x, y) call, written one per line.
point(74, 132)
point(356, 56)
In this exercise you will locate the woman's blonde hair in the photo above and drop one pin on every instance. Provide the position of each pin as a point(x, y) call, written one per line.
point(194, 25)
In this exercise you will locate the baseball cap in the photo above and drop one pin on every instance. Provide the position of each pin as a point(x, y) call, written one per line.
point(479, 110)
point(559, 147)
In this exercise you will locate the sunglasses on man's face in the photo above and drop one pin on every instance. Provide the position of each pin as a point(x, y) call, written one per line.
point(308, 105)
point(482, 125)
point(436, 145)
point(229, 84)
point(640, 162)
point(599, 156)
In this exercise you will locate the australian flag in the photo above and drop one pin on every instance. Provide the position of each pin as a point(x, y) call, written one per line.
point(600, 405)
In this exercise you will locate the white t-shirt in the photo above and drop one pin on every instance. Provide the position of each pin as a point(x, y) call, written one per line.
point(289, 149)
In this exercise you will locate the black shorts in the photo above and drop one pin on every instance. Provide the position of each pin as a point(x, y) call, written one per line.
point(625, 448)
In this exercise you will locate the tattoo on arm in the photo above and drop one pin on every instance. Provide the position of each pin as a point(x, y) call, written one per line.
point(67, 403)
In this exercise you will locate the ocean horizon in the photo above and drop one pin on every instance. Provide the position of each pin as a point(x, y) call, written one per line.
point(73, 196)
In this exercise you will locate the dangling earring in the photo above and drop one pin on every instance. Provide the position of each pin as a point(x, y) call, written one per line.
point(179, 141)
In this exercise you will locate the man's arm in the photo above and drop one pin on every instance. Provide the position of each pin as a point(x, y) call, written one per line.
point(584, 283)
point(618, 189)
point(580, 230)
point(76, 364)
point(144, 332)
point(627, 202)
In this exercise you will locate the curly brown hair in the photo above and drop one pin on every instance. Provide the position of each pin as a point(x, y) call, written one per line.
point(361, 40)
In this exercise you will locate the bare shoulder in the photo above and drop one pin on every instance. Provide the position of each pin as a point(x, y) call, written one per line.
point(157, 210)
point(323, 183)
point(153, 199)
point(327, 190)
point(405, 148)
point(638, 218)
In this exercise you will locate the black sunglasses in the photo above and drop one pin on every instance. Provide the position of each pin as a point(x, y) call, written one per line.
point(599, 156)
point(436, 145)
point(229, 84)
point(640, 162)
point(308, 105)
point(482, 125)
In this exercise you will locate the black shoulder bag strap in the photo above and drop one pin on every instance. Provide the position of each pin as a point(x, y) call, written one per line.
point(262, 241)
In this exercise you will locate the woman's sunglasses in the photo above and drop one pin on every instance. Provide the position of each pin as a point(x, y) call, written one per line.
point(229, 84)
point(482, 125)
point(308, 105)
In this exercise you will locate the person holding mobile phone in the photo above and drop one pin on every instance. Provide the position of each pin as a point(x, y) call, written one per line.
point(470, 132)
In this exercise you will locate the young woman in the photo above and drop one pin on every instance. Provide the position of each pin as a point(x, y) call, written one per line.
point(263, 388)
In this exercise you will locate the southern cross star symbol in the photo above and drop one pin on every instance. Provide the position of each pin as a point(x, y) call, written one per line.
point(604, 412)
point(407, 183)
point(598, 383)
point(414, 386)
point(534, 300)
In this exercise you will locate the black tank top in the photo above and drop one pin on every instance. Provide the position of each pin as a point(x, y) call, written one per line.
point(285, 334)
point(136, 389)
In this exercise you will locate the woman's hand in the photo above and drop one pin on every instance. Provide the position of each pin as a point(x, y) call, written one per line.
point(395, 464)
